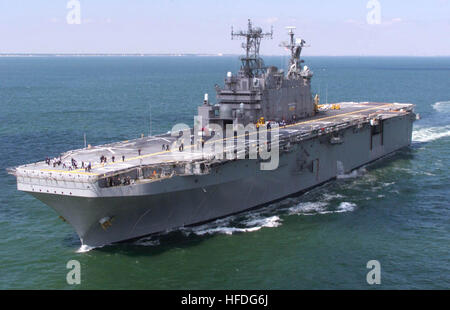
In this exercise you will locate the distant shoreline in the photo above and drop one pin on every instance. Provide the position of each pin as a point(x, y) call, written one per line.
point(184, 55)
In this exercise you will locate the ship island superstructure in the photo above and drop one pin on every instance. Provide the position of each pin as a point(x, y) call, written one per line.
point(129, 189)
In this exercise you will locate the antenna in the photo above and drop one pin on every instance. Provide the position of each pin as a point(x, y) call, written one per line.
point(150, 116)
point(290, 29)
point(320, 88)
point(295, 46)
point(251, 62)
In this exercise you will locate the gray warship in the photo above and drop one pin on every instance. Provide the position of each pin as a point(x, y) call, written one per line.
point(279, 140)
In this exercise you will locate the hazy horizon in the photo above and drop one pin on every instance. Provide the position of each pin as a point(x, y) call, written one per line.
point(198, 55)
point(400, 28)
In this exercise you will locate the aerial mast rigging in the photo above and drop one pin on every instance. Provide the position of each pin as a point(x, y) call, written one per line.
point(252, 64)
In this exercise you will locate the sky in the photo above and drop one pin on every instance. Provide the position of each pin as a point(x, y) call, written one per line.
point(330, 27)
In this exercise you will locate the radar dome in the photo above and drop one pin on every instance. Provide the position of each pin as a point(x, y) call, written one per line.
point(257, 29)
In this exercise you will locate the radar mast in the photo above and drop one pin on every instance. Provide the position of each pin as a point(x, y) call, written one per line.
point(252, 64)
point(295, 46)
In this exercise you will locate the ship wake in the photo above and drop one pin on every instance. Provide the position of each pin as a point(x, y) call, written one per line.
point(234, 224)
point(442, 106)
point(85, 248)
point(432, 133)
point(313, 208)
point(353, 174)
point(428, 134)
point(270, 216)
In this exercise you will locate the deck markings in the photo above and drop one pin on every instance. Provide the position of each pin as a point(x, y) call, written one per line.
point(69, 171)
point(224, 139)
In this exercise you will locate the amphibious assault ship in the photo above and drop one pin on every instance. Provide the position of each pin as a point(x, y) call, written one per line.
point(265, 138)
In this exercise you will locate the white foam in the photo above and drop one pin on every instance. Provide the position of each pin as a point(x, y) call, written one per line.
point(442, 106)
point(85, 248)
point(328, 197)
point(320, 207)
point(272, 221)
point(254, 222)
point(428, 134)
point(307, 208)
point(224, 230)
point(346, 207)
point(354, 174)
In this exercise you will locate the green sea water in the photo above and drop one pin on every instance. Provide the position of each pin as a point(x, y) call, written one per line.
point(396, 210)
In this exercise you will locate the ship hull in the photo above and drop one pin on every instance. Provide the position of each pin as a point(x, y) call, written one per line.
point(231, 188)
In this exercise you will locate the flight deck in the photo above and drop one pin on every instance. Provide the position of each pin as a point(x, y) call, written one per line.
point(164, 149)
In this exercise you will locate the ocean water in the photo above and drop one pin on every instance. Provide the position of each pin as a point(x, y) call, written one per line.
point(396, 210)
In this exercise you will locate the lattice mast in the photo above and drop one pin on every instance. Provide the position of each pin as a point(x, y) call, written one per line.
point(252, 64)
point(295, 46)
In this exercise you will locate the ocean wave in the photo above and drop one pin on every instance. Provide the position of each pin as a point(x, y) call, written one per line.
point(427, 134)
point(253, 222)
point(354, 174)
point(328, 197)
point(147, 241)
point(309, 208)
point(85, 248)
point(442, 106)
point(346, 207)
point(271, 221)
point(223, 230)
point(320, 207)
point(414, 172)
